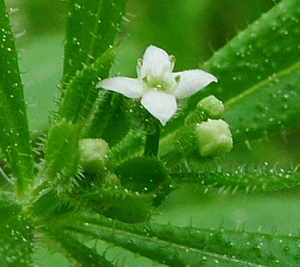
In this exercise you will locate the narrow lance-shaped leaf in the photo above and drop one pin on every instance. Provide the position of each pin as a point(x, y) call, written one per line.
point(61, 154)
point(248, 178)
point(187, 246)
point(14, 132)
point(76, 250)
point(91, 30)
point(78, 100)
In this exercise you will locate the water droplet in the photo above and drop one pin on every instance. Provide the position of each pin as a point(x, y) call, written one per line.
point(77, 6)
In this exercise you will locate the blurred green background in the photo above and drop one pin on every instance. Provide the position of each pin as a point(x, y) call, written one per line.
point(191, 30)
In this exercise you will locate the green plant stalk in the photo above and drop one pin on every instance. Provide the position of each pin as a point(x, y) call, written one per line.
point(152, 143)
point(14, 131)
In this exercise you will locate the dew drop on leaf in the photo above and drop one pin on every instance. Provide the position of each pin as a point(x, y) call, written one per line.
point(77, 7)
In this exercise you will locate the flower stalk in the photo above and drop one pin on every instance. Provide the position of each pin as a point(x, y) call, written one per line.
point(152, 143)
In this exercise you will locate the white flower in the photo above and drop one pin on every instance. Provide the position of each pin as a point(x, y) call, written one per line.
point(157, 85)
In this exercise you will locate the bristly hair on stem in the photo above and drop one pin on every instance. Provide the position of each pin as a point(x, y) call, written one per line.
point(152, 142)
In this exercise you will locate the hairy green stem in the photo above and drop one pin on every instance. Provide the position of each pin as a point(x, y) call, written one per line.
point(152, 142)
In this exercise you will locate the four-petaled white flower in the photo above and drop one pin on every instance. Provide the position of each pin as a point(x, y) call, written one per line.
point(157, 85)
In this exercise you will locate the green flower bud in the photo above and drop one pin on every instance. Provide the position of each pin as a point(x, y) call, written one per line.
point(214, 138)
point(212, 107)
point(93, 154)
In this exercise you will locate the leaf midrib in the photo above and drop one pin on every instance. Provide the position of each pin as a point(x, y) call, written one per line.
point(158, 242)
point(248, 92)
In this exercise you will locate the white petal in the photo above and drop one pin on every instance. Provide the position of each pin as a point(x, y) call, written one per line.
point(161, 105)
point(192, 81)
point(156, 61)
point(129, 87)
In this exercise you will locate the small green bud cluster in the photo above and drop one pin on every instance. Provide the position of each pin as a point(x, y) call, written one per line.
point(213, 135)
point(204, 134)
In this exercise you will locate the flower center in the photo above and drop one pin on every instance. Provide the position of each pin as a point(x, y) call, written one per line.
point(165, 83)
point(157, 84)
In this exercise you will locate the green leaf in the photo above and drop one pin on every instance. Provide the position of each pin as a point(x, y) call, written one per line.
point(269, 107)
point(145, 175)
point(91, 29)
point(248, 178)
point(258, 73)
point(76, 250)
point(81, 92)
point(14, 132)
point(187, 246)
point(142, 174)
point(61, 155)
point(16, 236)
point(110, 114)
point(121, 204)
point(131, 145)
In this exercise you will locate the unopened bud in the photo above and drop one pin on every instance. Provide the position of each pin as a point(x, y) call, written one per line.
point(212, 107)
point(93, 154)
point(214, 138)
